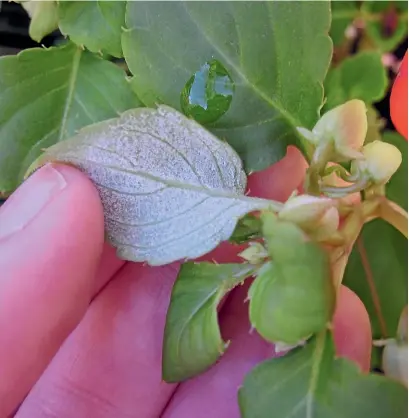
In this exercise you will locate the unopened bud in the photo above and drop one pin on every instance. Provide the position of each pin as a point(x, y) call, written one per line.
point(254, 253)
point(380, 163)
point(328, 224)
point(395, 361)
point(305, 210)
point(346, 127)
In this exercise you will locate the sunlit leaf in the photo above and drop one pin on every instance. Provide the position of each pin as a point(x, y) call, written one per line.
point(276, 53)
point(95, 24)
point(46, 95)
point(170, 189)
point(310, 382)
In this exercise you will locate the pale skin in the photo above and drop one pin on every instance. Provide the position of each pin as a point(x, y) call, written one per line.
point(81, 331)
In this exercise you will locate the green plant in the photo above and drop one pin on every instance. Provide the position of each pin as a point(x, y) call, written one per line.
point(217, 91)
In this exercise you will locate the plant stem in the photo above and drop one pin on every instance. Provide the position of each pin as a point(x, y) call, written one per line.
point(394, 215)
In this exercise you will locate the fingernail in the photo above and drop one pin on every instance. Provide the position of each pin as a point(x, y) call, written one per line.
point(27, 202)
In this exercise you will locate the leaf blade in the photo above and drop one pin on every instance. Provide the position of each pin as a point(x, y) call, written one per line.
point(192, 345)
point(48, 94)
point(286, 384)
point(265, 105)
point(94, 24)
point(170, 190)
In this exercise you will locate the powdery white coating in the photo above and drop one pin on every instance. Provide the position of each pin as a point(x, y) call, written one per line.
point(170, 189)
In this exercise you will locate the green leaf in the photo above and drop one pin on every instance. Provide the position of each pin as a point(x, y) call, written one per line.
point(311, 382)
point(377, 270)
point(293, 296)
point(361, 76)
point(46, 95)
point(44, 18)
point(192, 341)
point(248, 228)
point(343, 14)
point(95, 24)
point(170, 189)
point(379, 15)
point(277, 54)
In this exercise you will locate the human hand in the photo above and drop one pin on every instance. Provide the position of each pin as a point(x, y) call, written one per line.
point(81, 331)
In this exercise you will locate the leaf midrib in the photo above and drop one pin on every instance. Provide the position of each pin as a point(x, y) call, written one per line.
point(257, 202)
point(70, 92)
point(227, 59)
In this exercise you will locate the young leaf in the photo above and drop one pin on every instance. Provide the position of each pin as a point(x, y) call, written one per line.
point(169, 188)
point(192, 341)
point(95, 24)
point(44, 18)
point(343, 14)
point(276, 53)
point(293, 296)
point(46, 95)
point(361, 76)
point(377, 270)
point(310, 382)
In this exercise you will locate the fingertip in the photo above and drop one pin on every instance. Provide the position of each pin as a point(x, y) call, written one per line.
point(51, 239)
point(352, 329)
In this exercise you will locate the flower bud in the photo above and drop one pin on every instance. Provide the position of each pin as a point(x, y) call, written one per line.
point(380, 163)
point(305, 210)
point(328, 224)
point(395, 361)
point(254, 253)
point(346, 126)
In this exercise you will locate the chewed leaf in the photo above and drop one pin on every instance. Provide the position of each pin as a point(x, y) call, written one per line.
point(170, 189)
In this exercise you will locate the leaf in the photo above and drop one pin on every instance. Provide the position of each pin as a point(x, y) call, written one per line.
point(292, 296)
point(361, 76)
point(48, 94)
point(44, 19)
point(276, 53)
point(95, 24)
point(248, 228)
point(192, 341)
point(343, 14)
point(310, 382)
point(386, 23)
point(377, 270)
point(169, 188)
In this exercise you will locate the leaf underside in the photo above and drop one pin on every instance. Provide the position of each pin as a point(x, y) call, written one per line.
point(169, 188)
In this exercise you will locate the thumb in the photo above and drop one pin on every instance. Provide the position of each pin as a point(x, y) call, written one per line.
point(51, 238)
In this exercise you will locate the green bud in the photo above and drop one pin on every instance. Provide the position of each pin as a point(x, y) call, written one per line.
point(254, 253)
point(305, 210)
point(327, 226)
point(44, 18)
point(346, 127)
point(381, 160)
